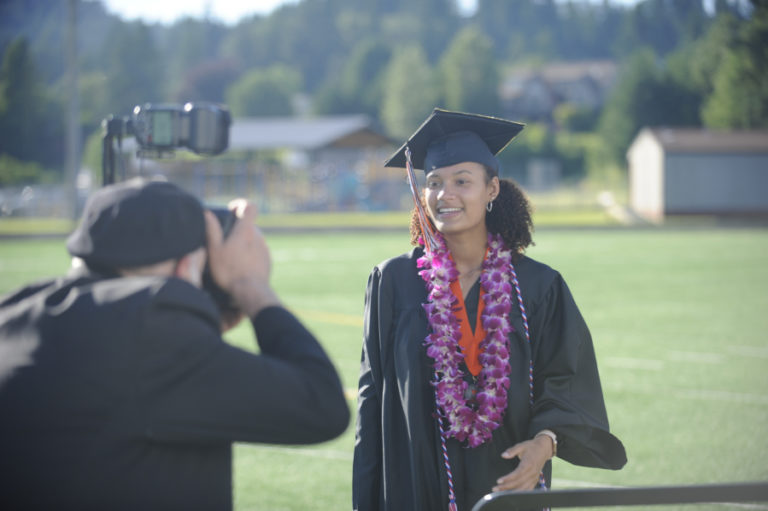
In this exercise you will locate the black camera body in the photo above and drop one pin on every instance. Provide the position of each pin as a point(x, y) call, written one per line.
point(221, 298)
point(226, 218)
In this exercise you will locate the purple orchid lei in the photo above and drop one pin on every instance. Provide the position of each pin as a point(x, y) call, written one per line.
point(475, 424)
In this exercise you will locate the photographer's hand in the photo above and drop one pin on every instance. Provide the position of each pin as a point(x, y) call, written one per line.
point(241, 264)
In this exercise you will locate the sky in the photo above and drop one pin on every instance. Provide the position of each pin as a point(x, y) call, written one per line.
point(228, 11)
point(166, 11)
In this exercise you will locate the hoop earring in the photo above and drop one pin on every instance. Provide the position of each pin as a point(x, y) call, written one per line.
point(489, 206)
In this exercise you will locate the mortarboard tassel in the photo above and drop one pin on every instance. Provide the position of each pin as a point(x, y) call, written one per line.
point(427, 232)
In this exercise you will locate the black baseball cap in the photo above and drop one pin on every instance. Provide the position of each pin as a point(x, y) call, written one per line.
point(138, 222)
point(447, 138)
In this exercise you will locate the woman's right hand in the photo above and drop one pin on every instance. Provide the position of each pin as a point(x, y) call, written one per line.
point(533, 454)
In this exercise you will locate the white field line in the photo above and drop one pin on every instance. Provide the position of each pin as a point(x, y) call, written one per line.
point(686, 357)
point(644, 364)
point(658, 364)
point(695, 357)
point(722, 395)
point(748, 351)
point(698, 394)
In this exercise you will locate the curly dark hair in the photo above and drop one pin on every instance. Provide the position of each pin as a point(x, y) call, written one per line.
point(510, 217)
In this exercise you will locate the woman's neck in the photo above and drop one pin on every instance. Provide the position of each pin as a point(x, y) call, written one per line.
point(467, 249)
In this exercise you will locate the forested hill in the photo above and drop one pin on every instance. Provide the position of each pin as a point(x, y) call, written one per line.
point(320, 39)
point(391, 59)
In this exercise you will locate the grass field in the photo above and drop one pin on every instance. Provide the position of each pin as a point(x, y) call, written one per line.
point(678, 316)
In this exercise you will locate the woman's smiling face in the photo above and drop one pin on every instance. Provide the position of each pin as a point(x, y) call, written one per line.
point(457, 196)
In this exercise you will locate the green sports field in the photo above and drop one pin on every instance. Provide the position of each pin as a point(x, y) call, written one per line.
point(679, 319)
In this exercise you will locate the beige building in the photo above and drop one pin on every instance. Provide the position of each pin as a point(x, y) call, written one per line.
point(533, 93)
point(289, 164)
point(692, 171)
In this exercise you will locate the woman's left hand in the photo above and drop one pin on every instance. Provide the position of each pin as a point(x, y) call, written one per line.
point(533, 455)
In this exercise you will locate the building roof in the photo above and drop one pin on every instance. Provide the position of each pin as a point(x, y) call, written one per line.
point(601, 72)
point(707, 141)
point(305, 133)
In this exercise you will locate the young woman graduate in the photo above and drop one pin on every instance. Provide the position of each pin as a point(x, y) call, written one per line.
point(477, 367)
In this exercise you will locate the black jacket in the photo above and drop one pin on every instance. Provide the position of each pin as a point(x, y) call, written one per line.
point(121, 394)
point(398, 464)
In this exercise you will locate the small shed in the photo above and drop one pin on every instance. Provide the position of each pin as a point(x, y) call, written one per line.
point(692, 171)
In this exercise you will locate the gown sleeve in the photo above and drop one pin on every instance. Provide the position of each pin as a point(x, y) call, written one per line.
point(199, 389)
point(568, 397)
point(367, 464)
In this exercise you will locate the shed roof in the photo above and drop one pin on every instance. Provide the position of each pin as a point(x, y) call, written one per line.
point(708, 141)
point(305, 133)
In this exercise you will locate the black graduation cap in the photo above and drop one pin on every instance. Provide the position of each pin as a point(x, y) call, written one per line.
point(138, 222)
point(447, 138)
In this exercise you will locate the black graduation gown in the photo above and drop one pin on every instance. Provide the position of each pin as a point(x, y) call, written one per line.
point(397, 460)
point(120, 394)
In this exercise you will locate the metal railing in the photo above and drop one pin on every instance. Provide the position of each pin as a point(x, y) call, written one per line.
point(650, 495)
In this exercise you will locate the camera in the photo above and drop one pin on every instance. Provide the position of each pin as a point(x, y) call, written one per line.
point(220, 297)
point(226, 218)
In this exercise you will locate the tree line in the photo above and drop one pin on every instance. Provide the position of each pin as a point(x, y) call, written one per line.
point(681, 64)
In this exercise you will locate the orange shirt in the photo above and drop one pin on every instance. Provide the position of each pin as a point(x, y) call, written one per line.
point(470, 341)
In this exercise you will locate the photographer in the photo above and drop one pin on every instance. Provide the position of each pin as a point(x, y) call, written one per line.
point(116, 388)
